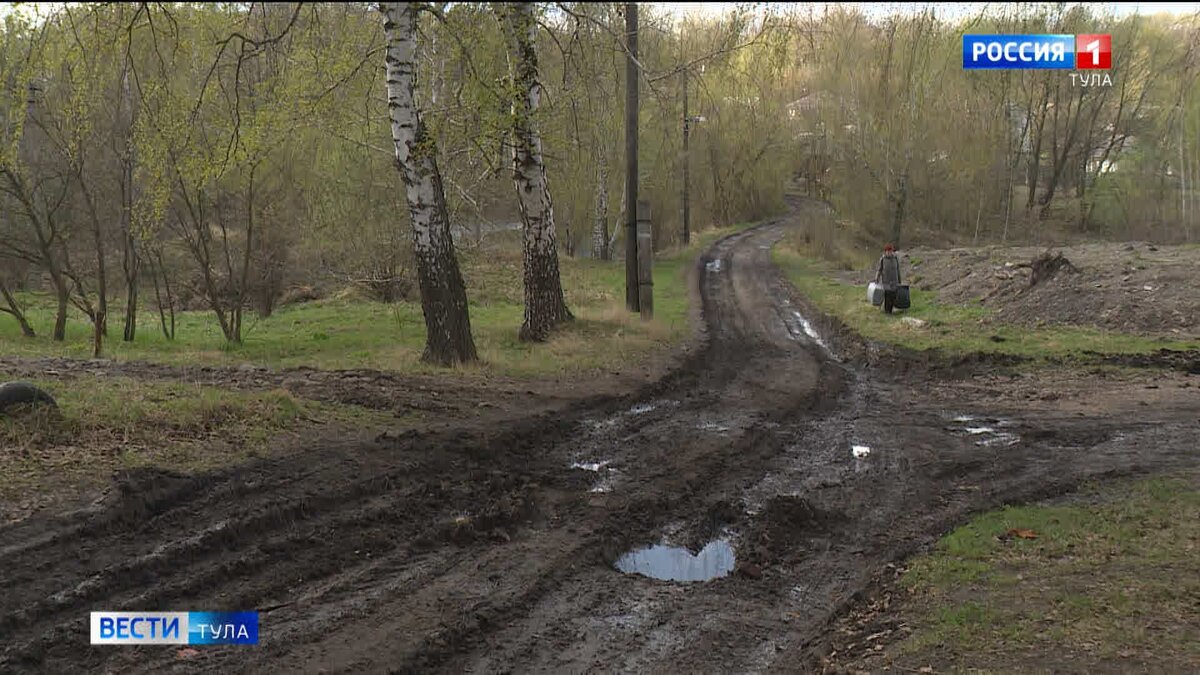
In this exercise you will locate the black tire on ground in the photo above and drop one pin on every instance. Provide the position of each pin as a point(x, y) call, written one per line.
point(19, 394)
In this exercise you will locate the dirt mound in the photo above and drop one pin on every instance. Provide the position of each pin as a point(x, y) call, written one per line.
point(1045, 267)
point(788, 528)
point(142, 493)
point(1132, 288)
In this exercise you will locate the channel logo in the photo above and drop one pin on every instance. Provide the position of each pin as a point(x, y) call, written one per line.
point(1065, 52)
point(174, 628)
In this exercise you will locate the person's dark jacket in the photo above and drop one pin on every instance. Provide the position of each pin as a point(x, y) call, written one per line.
point(888, 275)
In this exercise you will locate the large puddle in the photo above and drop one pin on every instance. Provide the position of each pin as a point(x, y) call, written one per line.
point(797, 325)
point(987, 431)
point(675, 563)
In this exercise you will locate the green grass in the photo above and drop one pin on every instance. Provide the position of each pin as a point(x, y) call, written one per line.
point(349, 333)
point(953, 329)
point(1110, 576)
point(106, 423)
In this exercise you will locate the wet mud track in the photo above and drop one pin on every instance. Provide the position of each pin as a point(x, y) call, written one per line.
point(492, 549)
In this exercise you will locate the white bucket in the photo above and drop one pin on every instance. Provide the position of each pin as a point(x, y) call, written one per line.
point(874, 293)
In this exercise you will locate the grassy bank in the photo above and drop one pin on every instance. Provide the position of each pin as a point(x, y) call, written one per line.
point(954, 329)
point(354, 333)
point(1109, 581)
point(108, 423)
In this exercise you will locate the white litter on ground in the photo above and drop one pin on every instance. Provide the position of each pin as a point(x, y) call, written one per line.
point(860, 451)
point(590, 466)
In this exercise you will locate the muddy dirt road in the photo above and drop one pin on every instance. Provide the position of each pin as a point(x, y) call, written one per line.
point(492, 549)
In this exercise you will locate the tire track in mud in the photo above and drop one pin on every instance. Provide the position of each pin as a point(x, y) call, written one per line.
point(485, 550)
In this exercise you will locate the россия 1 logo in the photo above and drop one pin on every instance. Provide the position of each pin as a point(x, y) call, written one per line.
point(1065, 52)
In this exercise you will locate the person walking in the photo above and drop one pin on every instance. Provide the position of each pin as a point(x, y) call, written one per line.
point(888, 276)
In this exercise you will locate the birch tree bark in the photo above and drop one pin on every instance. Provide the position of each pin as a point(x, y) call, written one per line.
point(443, 295)
point(545, 307)
point(600, 219)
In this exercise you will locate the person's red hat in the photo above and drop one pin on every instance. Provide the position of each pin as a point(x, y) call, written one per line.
point(889, 247)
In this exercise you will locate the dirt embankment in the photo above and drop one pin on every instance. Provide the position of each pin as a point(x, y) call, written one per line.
point(1133, 288)
point(489, 547)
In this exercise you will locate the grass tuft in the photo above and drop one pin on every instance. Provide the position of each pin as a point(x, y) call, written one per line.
point(1111, 575)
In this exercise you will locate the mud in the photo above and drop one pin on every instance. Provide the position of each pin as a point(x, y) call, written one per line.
point(480, 547)
point(1132, 287)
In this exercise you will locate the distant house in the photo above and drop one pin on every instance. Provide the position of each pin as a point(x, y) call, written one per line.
point(809, 103)
point(1098, 163)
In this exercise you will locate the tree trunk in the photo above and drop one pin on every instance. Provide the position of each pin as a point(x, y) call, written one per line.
point(131, 260)
point(545, 307)
point(168, 333)
point(14, 310)
point(1061, 158)
point(600, 224)
point(98, 334)
point(443, 295)
point(1183, 184)
point(101, 273)
point(60, 316)
point(898, 214)
point(1036, 152)
point(132, 266)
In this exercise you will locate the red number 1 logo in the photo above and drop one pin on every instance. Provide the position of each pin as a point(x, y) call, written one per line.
point(1093, 51)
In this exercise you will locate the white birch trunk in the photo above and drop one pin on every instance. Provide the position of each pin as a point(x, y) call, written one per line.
point(600, 226)
point(545, 306)
point(443, 294)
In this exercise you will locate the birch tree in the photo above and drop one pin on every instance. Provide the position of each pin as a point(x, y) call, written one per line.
point(545, 307)
point(443, 295)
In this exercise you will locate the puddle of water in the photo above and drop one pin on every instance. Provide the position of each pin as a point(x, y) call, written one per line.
point(642, 408)
point(639, 409)
point(987, 429)
point(590, 466)
point(1002, 438)
point(860, 451)
point(675, 563)
point(597, 425)
point(807, 329)
point(605, 484)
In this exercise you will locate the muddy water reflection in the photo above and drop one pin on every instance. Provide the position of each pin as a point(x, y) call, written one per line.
point(675, 563)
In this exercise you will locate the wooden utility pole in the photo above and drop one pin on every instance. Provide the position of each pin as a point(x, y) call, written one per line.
point(687, 124)
point(631, 156)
